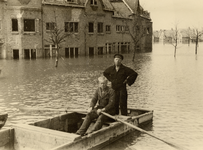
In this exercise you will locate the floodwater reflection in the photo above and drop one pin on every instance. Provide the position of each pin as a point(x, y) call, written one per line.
point(172, 87)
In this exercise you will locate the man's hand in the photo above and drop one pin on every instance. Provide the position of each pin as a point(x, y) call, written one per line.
point(109, 84)
point(100, 110)
point(89, 109)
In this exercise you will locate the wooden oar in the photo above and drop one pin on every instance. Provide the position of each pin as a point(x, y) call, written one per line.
point(141, 130)
point(51, 109)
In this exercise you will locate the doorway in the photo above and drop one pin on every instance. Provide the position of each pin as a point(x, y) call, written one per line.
point(91, 51)
point(26, 54)
point(33, 53)
point(15, 54)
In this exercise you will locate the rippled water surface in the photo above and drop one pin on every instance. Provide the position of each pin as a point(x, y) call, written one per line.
point(172, 87)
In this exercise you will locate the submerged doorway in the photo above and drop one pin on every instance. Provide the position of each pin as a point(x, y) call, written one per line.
point(26, 54)
point(33, 53)
point(91, 51)
point(71, 52)
point(15, 54)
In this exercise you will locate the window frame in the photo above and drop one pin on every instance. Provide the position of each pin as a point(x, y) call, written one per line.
point(0, 24)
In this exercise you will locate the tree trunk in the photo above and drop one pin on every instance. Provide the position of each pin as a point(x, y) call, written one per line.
point(56, 62)
point(196, 44)
point(134, 53)
point(188, 42)
point(175, 52)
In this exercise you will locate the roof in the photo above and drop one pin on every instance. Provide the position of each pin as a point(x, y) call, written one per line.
point(121, 9)
point(133, 4)
point(168, 33)
point(107, 5)
point(79, 3)
point(186, 32)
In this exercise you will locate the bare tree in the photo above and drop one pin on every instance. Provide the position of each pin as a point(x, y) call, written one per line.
point(174, 38)
point(197, 35)
point(56, 37)
point(137, 32)
point(189, 33)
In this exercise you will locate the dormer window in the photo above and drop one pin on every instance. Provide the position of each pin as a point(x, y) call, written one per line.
point(93, 2)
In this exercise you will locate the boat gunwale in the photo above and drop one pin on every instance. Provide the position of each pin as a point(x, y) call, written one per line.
point(111, 125)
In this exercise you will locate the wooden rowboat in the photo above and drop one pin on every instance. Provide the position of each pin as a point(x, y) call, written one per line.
point(3, 118)
point(58, 133)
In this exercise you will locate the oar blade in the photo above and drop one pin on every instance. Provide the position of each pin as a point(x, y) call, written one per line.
point(141, 130)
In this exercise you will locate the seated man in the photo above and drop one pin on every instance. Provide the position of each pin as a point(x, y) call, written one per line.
point(103, 101)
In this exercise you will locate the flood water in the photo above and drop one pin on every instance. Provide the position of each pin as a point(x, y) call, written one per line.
point(172, 87)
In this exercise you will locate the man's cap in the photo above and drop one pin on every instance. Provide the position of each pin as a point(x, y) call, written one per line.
point(118, 56)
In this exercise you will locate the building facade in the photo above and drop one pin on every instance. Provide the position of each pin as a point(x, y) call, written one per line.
point(92, 27)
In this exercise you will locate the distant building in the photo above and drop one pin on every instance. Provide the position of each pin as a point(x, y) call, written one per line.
point(185, 36)
point(156, 36)
point(95, 27)
point(168, 36)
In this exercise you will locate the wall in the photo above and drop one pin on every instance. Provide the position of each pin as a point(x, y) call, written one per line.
point(20, 39)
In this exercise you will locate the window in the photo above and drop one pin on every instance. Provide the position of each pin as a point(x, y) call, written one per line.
point(93, 2)
point(100, 50)
point(100, 27)
point(71, 27)
point(126, 28)
point(137, 29)
point(50, 26)
point(122, 28)
point(70, 1)
point(29, 25)
point(108, 28)
point(91, 27)
point(147, 30)
point(14, 25)
point(118, 28)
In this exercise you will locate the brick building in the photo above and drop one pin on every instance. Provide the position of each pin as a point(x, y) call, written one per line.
point(94, 27)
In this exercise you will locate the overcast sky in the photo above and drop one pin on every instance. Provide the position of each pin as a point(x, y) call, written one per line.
point(165, 14)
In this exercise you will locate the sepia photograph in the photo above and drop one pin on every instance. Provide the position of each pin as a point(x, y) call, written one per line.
point(101, 75)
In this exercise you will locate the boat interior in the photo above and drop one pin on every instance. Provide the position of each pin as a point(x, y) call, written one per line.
point(52, 132)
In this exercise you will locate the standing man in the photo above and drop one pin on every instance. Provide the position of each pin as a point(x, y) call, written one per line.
point(120, 75)
point(102, 101)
